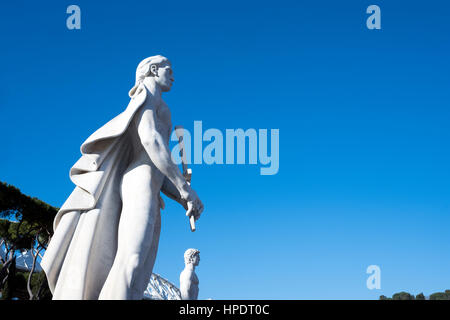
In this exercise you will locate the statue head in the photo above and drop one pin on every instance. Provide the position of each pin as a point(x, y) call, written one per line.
point(156, 69)
point(192, 256)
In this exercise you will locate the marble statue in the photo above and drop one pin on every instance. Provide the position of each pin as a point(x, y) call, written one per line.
point(188, 278)
point(107, 232)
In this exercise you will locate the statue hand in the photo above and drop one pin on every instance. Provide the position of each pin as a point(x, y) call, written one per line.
point(194, 205)
point(183, 203)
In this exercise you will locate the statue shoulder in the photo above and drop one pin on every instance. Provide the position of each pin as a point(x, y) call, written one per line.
point(185, 274)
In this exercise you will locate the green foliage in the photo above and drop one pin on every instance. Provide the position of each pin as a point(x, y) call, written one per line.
point(16, 287)
point(25, 222)
point(402, 296)
point(31, 216)
point(440, 295)
point(407, 296)
point(19, 235)
point(420, 296)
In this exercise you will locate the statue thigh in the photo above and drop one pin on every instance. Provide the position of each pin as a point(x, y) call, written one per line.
point(138, 236)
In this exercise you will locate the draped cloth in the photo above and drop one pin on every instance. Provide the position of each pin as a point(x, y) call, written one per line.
point(83, 247)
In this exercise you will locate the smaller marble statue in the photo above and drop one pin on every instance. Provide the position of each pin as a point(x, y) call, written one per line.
point(188, 278)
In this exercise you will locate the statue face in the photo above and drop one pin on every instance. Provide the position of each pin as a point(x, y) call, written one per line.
point(196, 260)
point(164, 76)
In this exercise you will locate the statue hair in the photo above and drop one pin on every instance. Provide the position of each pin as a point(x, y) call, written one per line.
point(189, 255)
point(143, 71)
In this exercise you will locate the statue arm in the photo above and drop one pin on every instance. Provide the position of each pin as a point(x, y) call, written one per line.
point(169, 189)
point(188, 290)
point(158, 151)
point(185, 285)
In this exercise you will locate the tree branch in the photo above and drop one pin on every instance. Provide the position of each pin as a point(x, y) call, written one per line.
point(30, 275)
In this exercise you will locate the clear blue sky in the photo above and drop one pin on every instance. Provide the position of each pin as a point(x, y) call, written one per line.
point(364, 132)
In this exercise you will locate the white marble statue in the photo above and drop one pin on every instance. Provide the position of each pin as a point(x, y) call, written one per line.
point(188, 278)
point(107, 232)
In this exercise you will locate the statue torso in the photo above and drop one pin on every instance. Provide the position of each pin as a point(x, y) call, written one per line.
point(189, 284)
point(163, 124)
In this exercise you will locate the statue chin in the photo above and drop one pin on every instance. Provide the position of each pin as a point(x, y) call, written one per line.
point(166, 88)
